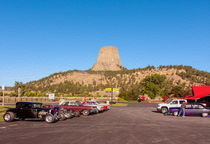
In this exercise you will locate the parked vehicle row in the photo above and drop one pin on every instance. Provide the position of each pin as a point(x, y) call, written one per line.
point(173, 107)
point(52, 113)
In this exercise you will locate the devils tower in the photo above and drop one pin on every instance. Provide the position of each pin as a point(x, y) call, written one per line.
point(108, 60)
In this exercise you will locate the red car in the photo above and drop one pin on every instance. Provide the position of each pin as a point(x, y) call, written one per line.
point(78, 108)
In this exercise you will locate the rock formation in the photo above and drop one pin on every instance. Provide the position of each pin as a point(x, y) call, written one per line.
point(108, 60)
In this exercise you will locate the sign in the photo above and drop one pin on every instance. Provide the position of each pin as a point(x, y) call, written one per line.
point(108, 92)
point(108, 89)
point(2, 87)
point(52, 96)
point(115, 89)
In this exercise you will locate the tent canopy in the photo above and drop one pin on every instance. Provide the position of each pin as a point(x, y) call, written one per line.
point(199, 92)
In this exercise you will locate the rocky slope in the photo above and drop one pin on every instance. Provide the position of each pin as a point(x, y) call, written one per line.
point(108, 59)
point(96, 81)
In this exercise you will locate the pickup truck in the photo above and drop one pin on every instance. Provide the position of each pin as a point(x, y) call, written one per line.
point(164, 107)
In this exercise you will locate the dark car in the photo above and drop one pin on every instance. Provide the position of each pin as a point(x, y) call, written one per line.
point(192, 109)
point(77, 108)
point(61, 112)
point(32, 110)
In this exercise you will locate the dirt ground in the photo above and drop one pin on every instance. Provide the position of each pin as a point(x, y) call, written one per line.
point(133, 124)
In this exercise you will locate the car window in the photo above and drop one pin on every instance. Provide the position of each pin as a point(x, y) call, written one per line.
point(66, 103)
point(195, 106)
point(188, 106)
point(174, 102)
point(78, 103)
point(181, 102)
point(18, 105)
point(200, 107)
point(37, 105)
point(27, 105)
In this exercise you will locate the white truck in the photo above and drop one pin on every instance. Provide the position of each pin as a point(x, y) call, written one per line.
point(164, 107)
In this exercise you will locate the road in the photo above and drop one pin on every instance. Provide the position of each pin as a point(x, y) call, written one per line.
point(134, 124)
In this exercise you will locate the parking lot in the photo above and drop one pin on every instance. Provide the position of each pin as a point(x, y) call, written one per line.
point(132, 124)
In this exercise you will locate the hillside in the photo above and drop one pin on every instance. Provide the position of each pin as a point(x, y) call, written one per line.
point(94, 82)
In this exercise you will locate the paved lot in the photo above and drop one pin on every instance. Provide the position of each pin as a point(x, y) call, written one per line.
point(134, 124)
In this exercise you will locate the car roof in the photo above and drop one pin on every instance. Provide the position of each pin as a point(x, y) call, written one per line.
point(29, 102)
point(194, 103)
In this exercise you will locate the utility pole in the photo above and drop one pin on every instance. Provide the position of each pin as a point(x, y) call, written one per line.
point(3, 88)
point(19, 89)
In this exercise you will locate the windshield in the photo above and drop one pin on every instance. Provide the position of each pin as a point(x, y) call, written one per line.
point(169, 102)
point(37, 105)
point(89, 103)
point(78, 103)
point(95, 103)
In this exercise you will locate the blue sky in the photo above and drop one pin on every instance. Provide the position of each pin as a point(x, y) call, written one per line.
point(41, 37)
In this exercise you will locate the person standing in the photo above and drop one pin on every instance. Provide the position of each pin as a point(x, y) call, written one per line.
point(182, 110)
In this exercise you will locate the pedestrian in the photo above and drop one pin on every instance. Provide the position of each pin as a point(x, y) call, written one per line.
point(182, 110)
point(139, 99)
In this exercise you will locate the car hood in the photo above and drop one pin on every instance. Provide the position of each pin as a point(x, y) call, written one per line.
point(11, 109)
point(162, 104)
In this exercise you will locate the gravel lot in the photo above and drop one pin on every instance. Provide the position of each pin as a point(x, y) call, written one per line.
point(134, 124)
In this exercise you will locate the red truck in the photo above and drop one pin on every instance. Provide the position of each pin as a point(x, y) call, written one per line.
point(77, 108)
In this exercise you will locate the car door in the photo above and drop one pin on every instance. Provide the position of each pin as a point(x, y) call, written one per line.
point(181, 102)
point(201, 109)
point(27, 110)
point(195, 110)
point(19, 110)
point(174, 104)
point(34, 110)
point(189, 110)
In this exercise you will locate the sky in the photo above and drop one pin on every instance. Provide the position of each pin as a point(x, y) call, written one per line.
point(42, 37)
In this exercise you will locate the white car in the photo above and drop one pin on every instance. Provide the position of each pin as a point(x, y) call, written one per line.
point(88, 103)
point(164, 107)
point(107, 106)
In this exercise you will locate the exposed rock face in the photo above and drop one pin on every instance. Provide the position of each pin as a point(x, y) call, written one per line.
point(108, 60)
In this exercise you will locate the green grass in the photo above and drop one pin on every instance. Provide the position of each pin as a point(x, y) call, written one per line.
point(119, 104)
point(133, 101)
point(3, 110)
point(121, 100)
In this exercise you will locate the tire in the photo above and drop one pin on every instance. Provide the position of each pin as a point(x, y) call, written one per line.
point(61, 116)
point(68, 114)
point(49, 118)
point(76, 113)
point(85, 112)
point(204, 114)
point(164, 110)
point(176, 113)
point(9, 117)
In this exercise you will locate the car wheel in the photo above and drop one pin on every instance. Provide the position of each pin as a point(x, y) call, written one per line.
point(204, 114)
point(68, 114)
point(85, 112)
point(9, 116)
point(49, 118)
point(61, 116)
point(176, 113)
point(76, 113)
point(164, 110)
